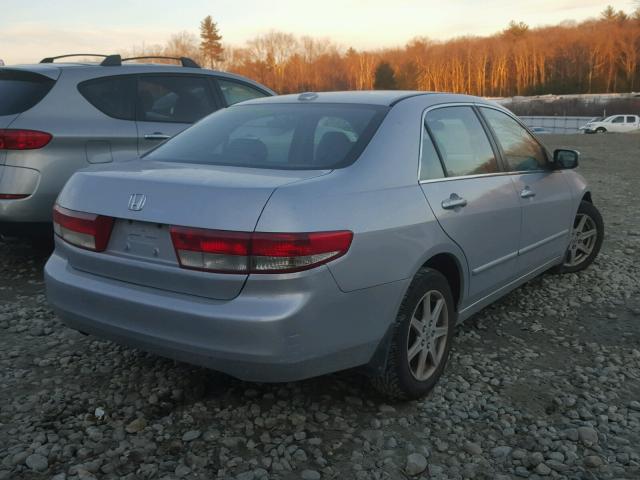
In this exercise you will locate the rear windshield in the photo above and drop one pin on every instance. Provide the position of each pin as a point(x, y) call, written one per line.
point(278, 136)
point(19, 91)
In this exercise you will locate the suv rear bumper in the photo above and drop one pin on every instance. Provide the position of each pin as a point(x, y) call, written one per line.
point(33, 209)
point(280, 328)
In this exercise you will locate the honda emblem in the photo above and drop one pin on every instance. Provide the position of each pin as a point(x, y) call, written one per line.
point(137, 201)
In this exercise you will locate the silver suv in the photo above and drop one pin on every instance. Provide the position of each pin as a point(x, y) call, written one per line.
point(56, 118)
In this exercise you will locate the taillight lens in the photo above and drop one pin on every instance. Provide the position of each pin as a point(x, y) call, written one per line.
point(215, 251)
point(23, 139)
point(84, 230)
point(242, 252)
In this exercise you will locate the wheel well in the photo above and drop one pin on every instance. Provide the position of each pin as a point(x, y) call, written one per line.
point(587, 198)
point(447, 265)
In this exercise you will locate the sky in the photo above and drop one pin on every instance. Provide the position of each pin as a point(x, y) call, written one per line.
point(35, 29)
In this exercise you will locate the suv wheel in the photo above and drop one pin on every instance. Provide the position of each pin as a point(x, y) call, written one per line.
point(586, 239)
point(423, 332)
point(601, 130)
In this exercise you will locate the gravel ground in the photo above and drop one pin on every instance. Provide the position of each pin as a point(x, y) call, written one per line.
point(545, 383)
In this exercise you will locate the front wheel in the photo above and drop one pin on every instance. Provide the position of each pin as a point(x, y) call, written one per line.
point(421, 341)
point(601, 130)
point(586, 239)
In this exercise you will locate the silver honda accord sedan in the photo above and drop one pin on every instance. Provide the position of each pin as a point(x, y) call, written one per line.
point(293, 236)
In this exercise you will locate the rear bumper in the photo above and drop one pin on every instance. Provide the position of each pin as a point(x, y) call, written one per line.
point(36, 208)
point(280, 328)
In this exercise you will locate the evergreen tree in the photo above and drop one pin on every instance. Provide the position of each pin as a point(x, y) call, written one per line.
point(516, 29)
point(210, 45)
point(385, 78)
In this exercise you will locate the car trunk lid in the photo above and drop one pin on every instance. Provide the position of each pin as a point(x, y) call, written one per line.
point(146, 198)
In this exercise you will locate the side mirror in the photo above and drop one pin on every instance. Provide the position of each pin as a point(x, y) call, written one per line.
point(565, 159)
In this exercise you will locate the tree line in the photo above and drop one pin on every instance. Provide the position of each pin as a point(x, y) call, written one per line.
point(599, 55)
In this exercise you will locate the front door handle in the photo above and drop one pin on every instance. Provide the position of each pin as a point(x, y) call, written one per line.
point(157, 136)
point(454, 201)
point(527, 193)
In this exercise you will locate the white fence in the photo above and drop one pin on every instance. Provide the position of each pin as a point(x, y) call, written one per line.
point(557, 124)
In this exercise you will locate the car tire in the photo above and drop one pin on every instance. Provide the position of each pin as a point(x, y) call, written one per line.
point(601, 130)
point(420, 346)
point(587, 235)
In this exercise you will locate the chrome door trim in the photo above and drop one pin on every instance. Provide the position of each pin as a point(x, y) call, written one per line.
point(539, 243)
point(422, 132)
point(478, 304)
point(494, 174)
point(467, 177)
point(517, 253)
point(494, 263)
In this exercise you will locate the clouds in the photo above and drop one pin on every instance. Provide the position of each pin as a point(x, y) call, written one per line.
point(29, 42)
point(36, 29)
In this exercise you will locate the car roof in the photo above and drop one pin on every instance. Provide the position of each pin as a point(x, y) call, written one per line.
point(52, 70)
point(365, 97)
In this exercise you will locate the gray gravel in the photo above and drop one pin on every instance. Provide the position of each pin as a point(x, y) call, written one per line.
point(543, 384)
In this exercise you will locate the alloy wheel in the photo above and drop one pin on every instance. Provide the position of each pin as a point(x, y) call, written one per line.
point(427, 339)
point(583, 240)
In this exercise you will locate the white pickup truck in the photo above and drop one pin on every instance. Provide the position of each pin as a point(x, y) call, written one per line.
point(614, 123)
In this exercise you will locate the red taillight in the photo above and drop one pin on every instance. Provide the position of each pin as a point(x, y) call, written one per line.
point(84, 230)
point(13, 196)
point(242, 252)
point(23, 139)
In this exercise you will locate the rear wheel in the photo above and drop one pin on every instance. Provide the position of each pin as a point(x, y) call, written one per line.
point(422, 336)
point(586, 239)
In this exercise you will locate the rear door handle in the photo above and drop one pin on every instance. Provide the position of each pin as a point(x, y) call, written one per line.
point(157, 136)
point(527, 193)
point(454, 201)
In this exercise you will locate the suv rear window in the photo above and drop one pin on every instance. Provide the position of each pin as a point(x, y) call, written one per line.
point(20, 91)
point(277, 136)
point(113, 96)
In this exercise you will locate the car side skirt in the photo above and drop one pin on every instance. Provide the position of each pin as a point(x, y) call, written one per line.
point(475, 307)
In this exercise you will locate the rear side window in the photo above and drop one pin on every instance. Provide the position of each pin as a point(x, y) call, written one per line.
point(235, 92)
point(20, 91)
point(278, 136)
point(430, 166)
point(519, 148)
point(631, 119)
point(461, 141)
point(113, 96)
point(177, 99)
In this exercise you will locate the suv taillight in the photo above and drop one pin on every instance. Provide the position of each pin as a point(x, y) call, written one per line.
point(243, 252)
point(84, 230)
point(23, 139)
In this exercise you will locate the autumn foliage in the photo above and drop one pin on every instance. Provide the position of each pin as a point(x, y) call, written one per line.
point(596, 56)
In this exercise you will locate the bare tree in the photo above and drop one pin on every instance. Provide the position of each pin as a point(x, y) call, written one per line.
point(598, 55)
